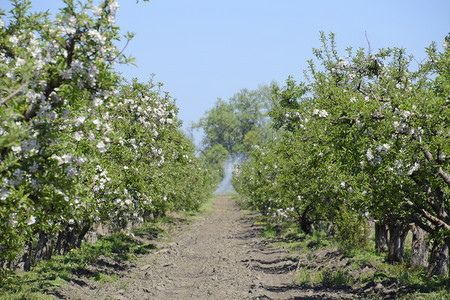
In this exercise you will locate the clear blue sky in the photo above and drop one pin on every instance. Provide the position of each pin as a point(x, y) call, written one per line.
point(203, 49)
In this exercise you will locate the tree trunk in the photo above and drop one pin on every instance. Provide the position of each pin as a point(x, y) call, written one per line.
point(44, 248)
point(27, 257)
point(306, 226)
point(438, 260)
point(396, 243)
point(70, 238)
point(381, 237)
point(419, 248)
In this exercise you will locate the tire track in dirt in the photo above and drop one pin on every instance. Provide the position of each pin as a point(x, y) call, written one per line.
point(219, 257)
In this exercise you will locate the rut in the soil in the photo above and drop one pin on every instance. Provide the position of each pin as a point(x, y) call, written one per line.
point(219, 257)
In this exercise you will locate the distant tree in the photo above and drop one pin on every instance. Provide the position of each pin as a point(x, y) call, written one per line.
point(220, 126)
point(240, 123)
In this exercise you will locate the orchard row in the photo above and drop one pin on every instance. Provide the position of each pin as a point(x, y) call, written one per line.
point(79, 145)
point(367, 137)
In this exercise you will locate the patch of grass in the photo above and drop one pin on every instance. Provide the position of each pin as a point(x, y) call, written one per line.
point(104, 278)
point(117, 246)
point(338, 278)
point(363, 257)
point(150, 230)
point(199, 213)
point(399, 273)
point(318, 240)
point(208, 205)
point(307, 276)
point(377, 276)
point(288, 234)
point(270, 230)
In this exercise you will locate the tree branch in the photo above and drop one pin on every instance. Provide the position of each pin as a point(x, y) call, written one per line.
point(430, 217)
point(3, 101)
point(444, 175)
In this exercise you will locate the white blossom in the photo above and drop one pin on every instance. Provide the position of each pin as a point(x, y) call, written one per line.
point(16, 149)
point(414, 168)
point(97, 102)
point(323, 113)
point(58, 159)
point(111, 19)
point(97, 36)
point(400, 86)
point(80, 120)
point(71, 20)
point(20, 62)
point(114, 6)
point(344, 64)
point(31, 220)
point(4, 193)
point(406, 114)
point(97, 11)
point(101, 147)
point(78, 136)
point(14, 40)
point(369, 154)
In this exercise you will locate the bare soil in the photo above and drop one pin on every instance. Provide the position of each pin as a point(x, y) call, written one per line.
point(221, 256)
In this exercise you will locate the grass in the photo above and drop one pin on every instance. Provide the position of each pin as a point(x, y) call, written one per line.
point(200, 213)
point(339, 278)
point(305, 276)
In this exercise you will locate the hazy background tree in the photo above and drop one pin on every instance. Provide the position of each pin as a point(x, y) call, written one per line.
point(232, 128)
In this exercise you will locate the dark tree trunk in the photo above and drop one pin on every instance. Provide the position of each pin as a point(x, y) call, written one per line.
point(396, 243)
point(305, 222)
point(27, 257)
point(306, 226)
point(70, 238)
point(381, 237)
point(419, 248)
point(438, 260)
point(45, 247)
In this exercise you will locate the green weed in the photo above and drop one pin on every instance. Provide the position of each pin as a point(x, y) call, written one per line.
point(337, 278)
point(306, 276)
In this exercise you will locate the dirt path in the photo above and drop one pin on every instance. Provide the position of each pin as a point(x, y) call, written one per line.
point(218, 257)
